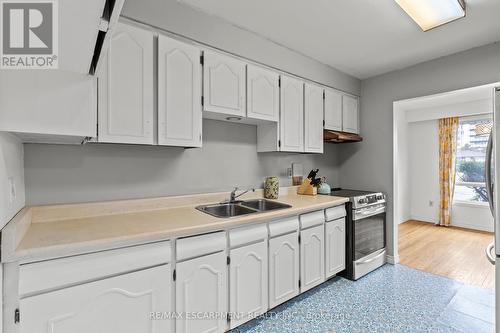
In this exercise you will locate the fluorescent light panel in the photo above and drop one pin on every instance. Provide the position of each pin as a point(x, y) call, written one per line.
point(429, 14)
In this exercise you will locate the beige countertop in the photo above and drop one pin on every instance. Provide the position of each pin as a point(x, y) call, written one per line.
point(45, 232)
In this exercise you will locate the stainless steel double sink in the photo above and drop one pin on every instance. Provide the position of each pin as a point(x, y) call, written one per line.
point(238, 208)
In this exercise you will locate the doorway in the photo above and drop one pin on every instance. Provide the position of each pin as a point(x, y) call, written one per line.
point(455, 251)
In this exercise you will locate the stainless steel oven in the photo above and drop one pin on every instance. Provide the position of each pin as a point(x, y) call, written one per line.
point(365, 232)
point(368, 232)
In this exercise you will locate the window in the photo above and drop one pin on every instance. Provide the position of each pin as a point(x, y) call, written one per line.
point(472, 139)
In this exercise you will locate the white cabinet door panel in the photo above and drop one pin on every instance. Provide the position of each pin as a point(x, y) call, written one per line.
point(125, 84)
point(350, 114)
point(179, 93)
point(335, 247)
point(313, 119)
point(312, 260)
point(119, 304)
point(292, 115)
point(333, 110)
point(224, 84)
point(201, 287)
point(262, 94)
point(283, 268)
point(248, 282)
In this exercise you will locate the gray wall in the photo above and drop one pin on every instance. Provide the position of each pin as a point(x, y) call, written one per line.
point(172, 16)
point(369, 165)
point(64, 174)
point(61, 174)
point(11, 173)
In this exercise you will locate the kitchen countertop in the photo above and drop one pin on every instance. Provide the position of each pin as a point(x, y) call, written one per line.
point(46, 232)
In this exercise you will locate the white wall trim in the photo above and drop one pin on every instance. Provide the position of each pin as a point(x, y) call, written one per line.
point(422, 218)
point(471, 226)
point(400, 118)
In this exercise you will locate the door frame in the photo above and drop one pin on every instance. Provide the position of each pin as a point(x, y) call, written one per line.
point(401, 113)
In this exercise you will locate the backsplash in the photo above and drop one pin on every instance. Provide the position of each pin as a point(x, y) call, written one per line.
point(96, 172)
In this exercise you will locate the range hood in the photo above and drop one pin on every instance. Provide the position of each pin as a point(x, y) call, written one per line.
point(340, 137)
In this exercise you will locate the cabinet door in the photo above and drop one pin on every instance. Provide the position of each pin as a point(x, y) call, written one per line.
point(292, 115)
point(125, 84)
point(333, 110)
point(179, 93)
point(312, 259)
point(313, 119)
point(350, 114)
point(120, 304)
point(201, 287)
point(262, 94)
point(283, 268)
point(248, 282)
point(223, 84)
point(335, 247)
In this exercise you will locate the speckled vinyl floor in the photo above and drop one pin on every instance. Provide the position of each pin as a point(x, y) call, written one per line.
point(394, 298)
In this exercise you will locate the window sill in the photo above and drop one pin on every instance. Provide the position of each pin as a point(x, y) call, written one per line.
point(472, 204)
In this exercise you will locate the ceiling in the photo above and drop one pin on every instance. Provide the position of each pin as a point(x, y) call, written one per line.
point(363, 38)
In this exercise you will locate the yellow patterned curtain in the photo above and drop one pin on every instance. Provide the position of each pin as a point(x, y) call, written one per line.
point(447, 152)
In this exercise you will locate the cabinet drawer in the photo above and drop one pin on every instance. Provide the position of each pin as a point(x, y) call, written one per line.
point(242, 236)
point(57, 273)
point(118, 304)
point(335, 213)
point(312, 219)
point(197, 246)
point(283, 227)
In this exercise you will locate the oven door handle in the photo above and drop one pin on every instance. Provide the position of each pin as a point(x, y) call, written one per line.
point(370, 212)
point(375, 257)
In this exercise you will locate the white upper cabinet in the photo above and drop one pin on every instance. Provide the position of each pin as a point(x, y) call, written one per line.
point(313, 118)
point(224, 84)
point(333, 110)
point(118, 304)
point(292, 115)
point(48, 106)
point(262, 94)
point(179, 93)
point(350, 114)
point(126, 105)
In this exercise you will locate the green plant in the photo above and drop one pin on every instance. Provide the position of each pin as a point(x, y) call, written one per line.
point(471, 171)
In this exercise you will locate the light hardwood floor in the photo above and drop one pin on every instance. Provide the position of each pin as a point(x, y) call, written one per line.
point(452, 252)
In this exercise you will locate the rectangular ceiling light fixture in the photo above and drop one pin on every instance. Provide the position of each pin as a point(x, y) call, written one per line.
point(430, 14)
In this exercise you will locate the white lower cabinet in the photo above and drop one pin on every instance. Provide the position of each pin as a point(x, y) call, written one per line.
point(248, 282)
point(283, 264)
point(312, 262)
point(335, 246)
point(201, 294)
point(119, 304)
point(268, 265)
point(248, 273)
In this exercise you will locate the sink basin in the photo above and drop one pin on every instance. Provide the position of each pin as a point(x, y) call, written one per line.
point(239, 208)
point(264, 205)
point(226, 210)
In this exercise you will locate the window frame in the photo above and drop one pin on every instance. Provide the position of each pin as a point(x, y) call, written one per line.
point(471, 203)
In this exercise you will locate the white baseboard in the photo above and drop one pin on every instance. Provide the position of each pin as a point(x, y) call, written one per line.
point(423, 219)
point(472, 226)
point(392, 259)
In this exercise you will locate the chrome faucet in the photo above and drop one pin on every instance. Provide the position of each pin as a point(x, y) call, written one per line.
point(233, 196)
